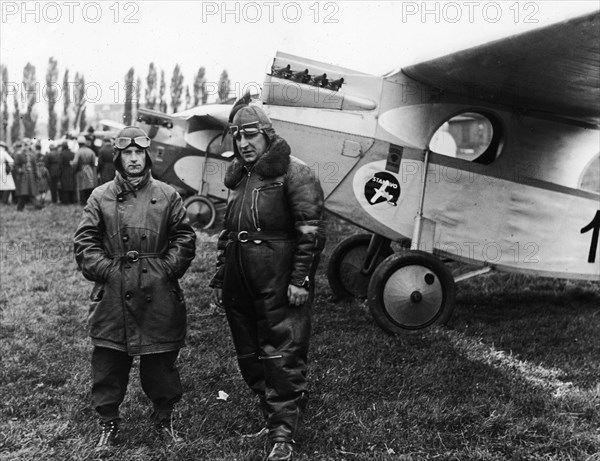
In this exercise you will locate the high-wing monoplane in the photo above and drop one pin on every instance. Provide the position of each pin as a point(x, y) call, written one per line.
point(483, 156)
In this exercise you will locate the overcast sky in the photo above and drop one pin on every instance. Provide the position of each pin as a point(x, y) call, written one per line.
point(103, 40)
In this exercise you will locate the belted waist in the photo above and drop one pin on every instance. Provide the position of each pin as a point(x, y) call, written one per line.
point(245, 236)
point(133, 256)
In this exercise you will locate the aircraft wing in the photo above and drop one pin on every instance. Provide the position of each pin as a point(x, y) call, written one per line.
point(552, 71)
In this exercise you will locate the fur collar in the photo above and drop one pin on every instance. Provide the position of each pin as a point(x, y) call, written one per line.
point(274, 162)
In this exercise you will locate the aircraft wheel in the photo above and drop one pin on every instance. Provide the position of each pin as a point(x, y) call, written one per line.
point(411, 290)
point(201, 211)
point(349, 271)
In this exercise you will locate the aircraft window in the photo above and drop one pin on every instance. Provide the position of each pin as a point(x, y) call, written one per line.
point(468, 136)
point(220, 146)
point(590, 180)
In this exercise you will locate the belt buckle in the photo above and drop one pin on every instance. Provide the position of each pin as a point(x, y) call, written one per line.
point(243, 236)
point(133, 256)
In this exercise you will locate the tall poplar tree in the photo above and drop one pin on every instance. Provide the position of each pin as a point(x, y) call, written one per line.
point(4, 103)
point(129, 93)
point(30, 89)
point(224, 86)
point(176, 88)
point(151, 87)
point(64, 124)
point(162, 93)
point(51, 96)
point(200, 96)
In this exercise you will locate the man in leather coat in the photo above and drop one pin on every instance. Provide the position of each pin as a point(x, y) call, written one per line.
point(268, 253)
point(134, 241)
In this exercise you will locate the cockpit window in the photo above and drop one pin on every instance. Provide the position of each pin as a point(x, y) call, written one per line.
point(469, 136)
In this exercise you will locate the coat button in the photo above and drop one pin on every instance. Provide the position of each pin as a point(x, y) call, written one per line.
point(128, 295)
point(143, 236)
point(153, 200)
point(125, 238)
point(148, 299)
point(120, 199)
point(144, 270)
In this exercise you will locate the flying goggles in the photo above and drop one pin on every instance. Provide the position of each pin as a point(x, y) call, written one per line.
point(249, 130)
point(123, 142)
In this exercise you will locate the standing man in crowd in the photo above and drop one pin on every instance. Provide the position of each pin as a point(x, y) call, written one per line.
point(67, 192)
point(135, 242)
point(106, 167)
point(268, 253)
point(25, 174)
point(53, 163)
point(85, 167)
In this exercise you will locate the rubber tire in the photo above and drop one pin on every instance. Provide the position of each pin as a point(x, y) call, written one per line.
point(201, 211)
point(437, 282)
point(346, 285)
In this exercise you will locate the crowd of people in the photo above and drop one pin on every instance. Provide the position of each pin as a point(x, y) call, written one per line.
point(64, 174)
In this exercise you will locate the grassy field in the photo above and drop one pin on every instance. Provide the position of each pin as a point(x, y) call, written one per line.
point(513, 376)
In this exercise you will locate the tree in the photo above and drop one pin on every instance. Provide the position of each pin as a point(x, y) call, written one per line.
point(64, 125)
point(129, 91)
point(82, 121)
point(15, 129)
point(224, 86)
point(162, 103)
point(51, 95)
point(138, 95)
point(4, 103)
point(188, 97)
point(151, 87)
point(176, 88)
point(200, 96)
point(29, 85)
point(78, 99)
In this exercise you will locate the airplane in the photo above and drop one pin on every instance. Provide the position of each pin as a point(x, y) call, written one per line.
point(477, 157)
point(189, 152)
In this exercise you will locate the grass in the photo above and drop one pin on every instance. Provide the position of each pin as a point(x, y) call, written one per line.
point(513, 376)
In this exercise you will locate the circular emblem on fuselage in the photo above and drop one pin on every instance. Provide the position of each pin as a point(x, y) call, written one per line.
point(382, 187)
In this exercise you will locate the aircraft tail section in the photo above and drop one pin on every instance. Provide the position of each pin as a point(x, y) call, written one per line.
point(300, 82)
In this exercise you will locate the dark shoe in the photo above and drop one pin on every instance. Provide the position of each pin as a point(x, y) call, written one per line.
point(109, 436)
point(167, 433)
point(282, 451)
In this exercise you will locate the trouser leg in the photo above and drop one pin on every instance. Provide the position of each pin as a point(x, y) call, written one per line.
point(243, 322)
point(110, 376)
point(21, 202)
point(161, 382)
point(285, 366)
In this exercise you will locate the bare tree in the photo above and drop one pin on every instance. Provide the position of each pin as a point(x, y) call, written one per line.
point(129, 92)
point(163, 89)
point(15, 129)
point(29, 85)
point(78, 99)
point(151, 87)
point(4, 104)
point(64, 125)
point(200, 96)
point(224, 86)
point(188, 97)
point(138, 95)
point(176, 88)
point(51, 95)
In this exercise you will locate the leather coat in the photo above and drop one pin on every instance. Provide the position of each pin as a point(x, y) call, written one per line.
point(273, 237)
point(137, 304)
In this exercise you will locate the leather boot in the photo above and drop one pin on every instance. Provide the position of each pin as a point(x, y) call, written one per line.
point(282, 451)
point(109, 436)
